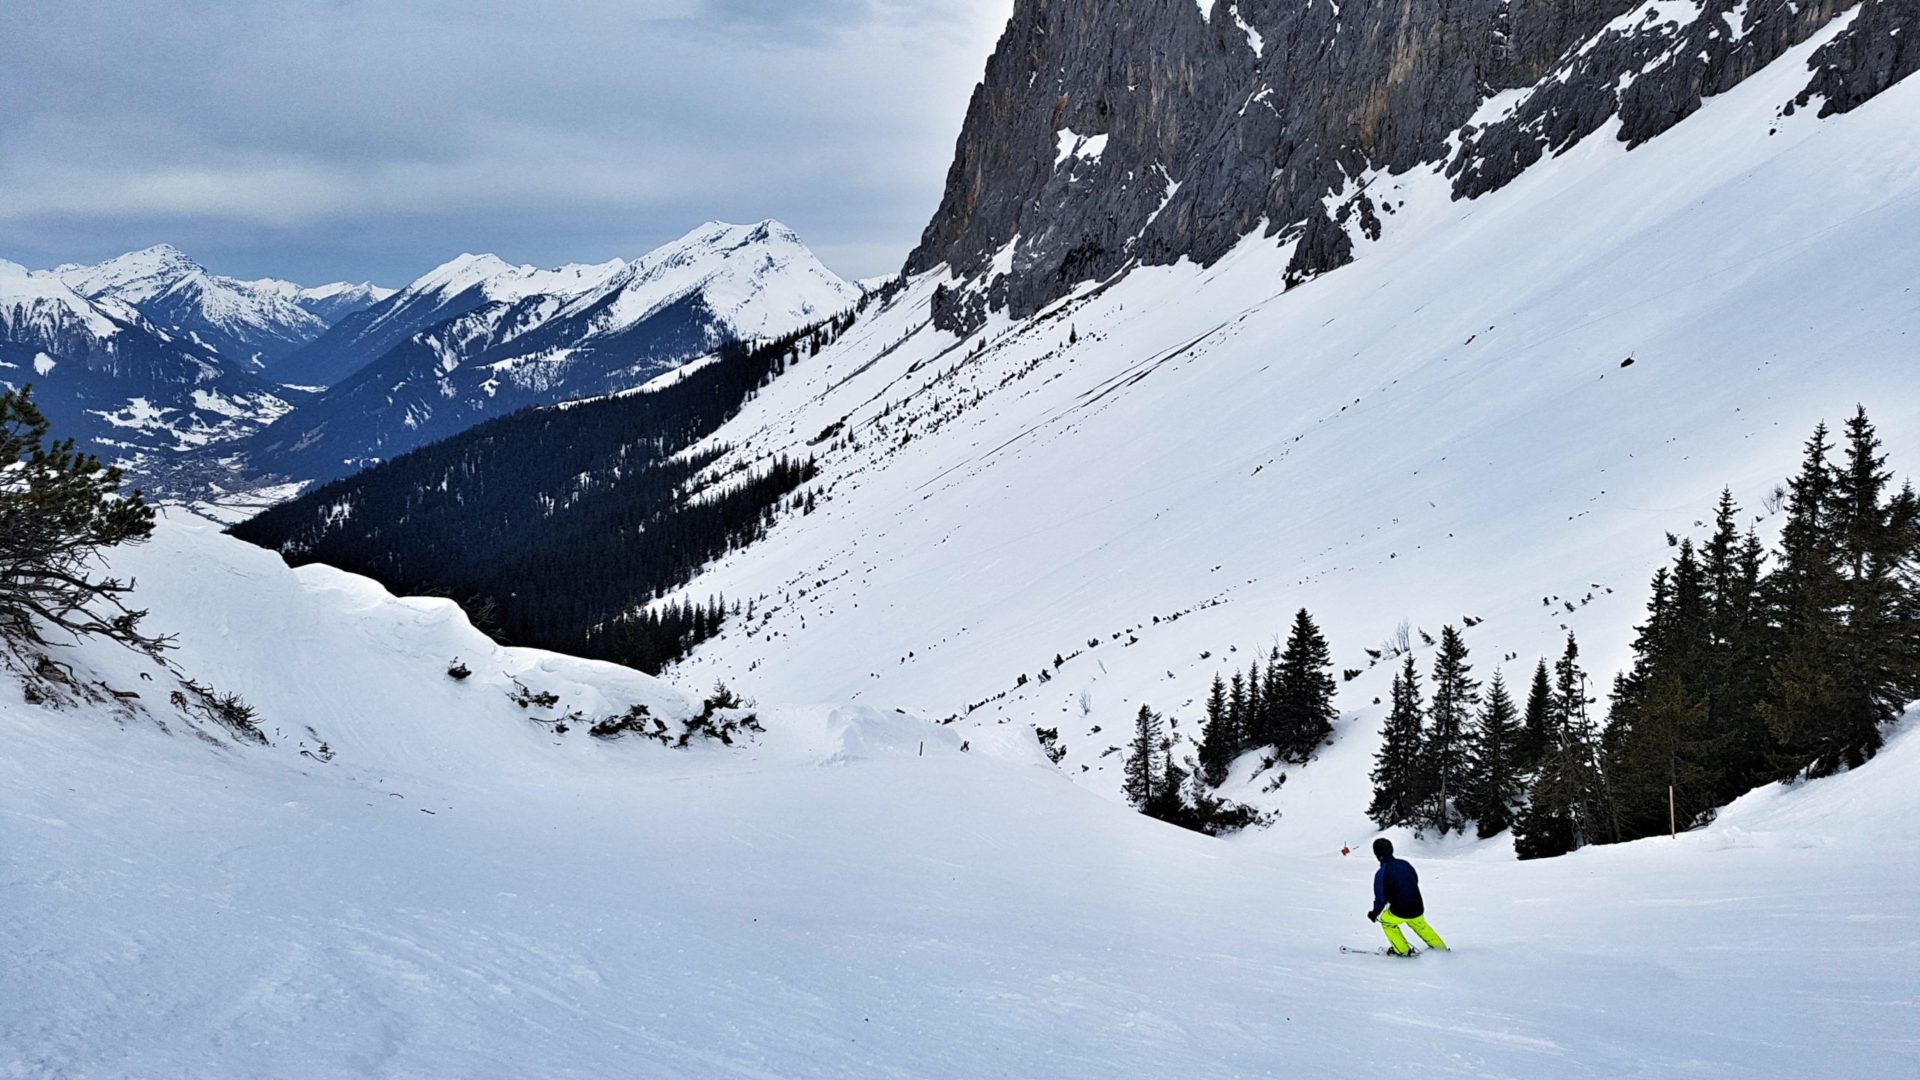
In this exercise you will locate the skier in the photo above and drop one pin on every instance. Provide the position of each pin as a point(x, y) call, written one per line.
point(1396, 901)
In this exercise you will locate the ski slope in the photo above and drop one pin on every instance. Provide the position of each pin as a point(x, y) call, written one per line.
point(1498, 411)
point(461, 892)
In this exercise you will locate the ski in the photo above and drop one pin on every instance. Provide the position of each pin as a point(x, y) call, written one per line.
point(1383, 950)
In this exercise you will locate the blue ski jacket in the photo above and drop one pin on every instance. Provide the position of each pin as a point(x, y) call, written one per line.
point(1397, 888)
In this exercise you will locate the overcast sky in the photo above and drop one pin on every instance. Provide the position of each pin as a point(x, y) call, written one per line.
point(354, 139)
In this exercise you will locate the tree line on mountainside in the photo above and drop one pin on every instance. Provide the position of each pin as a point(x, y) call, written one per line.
point(1283, 708)
point(563, 528)
point(1751, 667)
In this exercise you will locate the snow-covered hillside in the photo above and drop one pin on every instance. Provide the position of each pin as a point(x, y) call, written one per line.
point(1498, 410)
point(449, 889)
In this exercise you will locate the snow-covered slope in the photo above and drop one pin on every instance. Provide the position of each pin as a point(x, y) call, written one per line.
point(450, 889)
point(1498, 410)
point(478, 338)
point(255, 322)
point(112, 379)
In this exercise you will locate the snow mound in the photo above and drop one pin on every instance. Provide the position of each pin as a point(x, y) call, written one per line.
point(365, 672)
point(1871, 806)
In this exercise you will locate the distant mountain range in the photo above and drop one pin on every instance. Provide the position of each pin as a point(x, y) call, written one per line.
point(255, 322)
point(478, 338)
point(159, 363)
point(121, 382)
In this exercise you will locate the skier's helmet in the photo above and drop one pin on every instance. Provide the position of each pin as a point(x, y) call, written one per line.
point(1383, 849)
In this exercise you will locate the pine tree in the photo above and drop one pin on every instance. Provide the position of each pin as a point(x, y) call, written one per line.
point(1395, 770)
point(58, 509)
point(1873, 560)
point(1566, 803)
point(1904, 525)
point(1143, 773)
point(1258, 731)
point(1302, 691)
point(1659, 769)
point(1736, 714)
point(1804, 594)
point(1218, 742)
point(1537, 729)
point(1272, 694)
point(1444, 752)
point(1168, 801)
point(1237, 712)
point(1495, 788)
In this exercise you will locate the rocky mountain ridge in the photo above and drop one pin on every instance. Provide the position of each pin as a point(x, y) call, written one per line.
point(1103, 139)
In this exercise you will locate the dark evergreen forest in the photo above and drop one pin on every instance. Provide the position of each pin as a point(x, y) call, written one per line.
point(553, 527)
point(1752, 666)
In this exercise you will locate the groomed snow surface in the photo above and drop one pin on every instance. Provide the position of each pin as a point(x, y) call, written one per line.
point(460, 892)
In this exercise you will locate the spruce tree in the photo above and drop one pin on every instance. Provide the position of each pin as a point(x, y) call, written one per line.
point(1565, 802)
point(1736, 712)
point(1660, 745)
point(1272, 704)
point(1586, 788)
point(1218, 742)
point(1143, 773)
point(1168, 801)
point(1904, 524)
point(1657, 770)
point(1803, 595)
point(1536, 733)
point(1735, 653)
point(1396, 768)
point(1258, 731)
point(1303, 689)
point(1444, 751)
point(1873, 562)
point(1495, 789)
point(1237, 712)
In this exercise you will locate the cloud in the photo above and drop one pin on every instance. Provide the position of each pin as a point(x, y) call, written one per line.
point(354, 139)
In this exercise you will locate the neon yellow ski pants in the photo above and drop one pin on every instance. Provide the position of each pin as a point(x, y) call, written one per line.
point(1391, 924)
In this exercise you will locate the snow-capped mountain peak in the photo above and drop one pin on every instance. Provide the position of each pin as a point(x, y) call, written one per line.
point(339, 290)
point(255, 321)
point(460, 273)
point(498, 279)
point(135, 277)
point(477, 337)
point(28, 296)
point(757, 279)
point(107, 374)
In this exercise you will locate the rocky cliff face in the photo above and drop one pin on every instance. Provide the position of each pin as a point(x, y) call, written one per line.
point(1107, 135)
